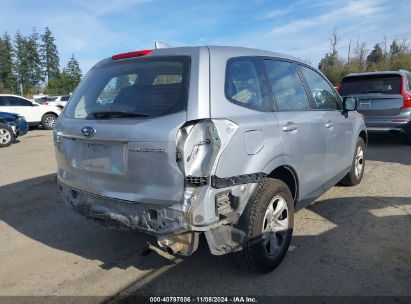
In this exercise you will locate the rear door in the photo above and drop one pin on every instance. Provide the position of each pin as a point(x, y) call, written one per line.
point(301, 129)
point(379, 95)
point(24, 107)
point(117, 136)
point(338, 128)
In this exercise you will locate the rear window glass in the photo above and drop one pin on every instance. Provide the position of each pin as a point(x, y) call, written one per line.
point(146, 87)
point(370, 84)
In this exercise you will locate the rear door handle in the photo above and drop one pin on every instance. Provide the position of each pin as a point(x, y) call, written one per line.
point(329, 124)
point(289, 127)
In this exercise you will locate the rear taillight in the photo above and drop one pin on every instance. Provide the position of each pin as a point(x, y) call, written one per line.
point(407, 100)
point(406, 96)
point(131, 54)
point(46, 103)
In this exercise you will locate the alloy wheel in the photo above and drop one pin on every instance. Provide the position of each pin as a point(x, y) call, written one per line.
point(5, 136)
point(359, 161)
point(50, 121)
point(275, 225)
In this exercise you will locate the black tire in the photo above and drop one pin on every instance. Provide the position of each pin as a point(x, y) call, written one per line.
point(6, 136)
point(408, 138)
point(354, 177)
point(48, 121)
point(255, 254)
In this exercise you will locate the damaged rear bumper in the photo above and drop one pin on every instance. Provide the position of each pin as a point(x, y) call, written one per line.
point(152, 219)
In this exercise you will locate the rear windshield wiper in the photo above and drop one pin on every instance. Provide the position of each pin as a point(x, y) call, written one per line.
point(116, 114)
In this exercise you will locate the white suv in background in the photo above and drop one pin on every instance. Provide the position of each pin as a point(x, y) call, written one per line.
point(60, 101)
point(34, 113)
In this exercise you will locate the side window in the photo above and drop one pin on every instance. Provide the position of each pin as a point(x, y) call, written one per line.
point(3, 101)
point(243, 84)
point(325, 97)
point(19, 102)
point(65, 98)
point(286, 85)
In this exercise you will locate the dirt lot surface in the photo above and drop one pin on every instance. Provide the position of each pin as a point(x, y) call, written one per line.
point(351, 241)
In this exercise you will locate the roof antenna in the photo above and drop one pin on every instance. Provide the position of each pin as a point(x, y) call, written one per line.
point(161, 45)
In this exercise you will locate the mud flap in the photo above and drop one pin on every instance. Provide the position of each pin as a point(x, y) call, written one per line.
point(224, 239)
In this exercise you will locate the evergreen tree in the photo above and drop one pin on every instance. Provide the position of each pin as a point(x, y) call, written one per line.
point(49, 55)
point(376, 55)
point(394, 49)
point(21, 63)
point(74, 73)
point(7, 78)
point(67, 80)
point(61, 84)
point(34, 63)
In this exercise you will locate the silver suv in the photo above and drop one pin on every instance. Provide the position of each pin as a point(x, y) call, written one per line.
point(223, 141)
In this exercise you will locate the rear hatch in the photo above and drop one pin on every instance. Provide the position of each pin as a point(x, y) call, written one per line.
point(117, 135)
point(379, 95)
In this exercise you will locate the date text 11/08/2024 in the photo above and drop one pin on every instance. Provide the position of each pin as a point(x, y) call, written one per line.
point(210, 299)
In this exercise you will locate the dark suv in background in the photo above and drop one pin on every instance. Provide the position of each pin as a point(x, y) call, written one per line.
point(385, 99)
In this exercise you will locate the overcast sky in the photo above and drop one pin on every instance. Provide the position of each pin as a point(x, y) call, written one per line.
point(94, 29)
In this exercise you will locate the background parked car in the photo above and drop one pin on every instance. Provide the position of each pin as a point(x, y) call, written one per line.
point(45, 99)
point(11, 127)
point(35, 113)
point(59, 101)
point(385, 99)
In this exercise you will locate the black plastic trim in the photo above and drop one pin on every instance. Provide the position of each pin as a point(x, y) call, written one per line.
point(196, 181)
point(222, 182)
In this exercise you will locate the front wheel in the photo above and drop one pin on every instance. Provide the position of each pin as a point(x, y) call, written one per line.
point(49, 120)
point(6, 136)
point(268, 223)
point(356, 173)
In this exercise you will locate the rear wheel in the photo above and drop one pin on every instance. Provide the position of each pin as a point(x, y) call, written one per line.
point(6, 136)
point(356, 173)
point(48, 121)
point(268, 223)
point(408, 139)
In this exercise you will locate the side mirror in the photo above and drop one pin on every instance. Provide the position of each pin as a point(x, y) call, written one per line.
point(350, 104)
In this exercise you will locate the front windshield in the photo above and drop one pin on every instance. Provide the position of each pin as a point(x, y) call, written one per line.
point(140, 87)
